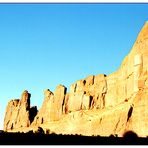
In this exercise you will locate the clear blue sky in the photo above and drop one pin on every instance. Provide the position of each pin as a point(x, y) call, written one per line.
point(43, 45)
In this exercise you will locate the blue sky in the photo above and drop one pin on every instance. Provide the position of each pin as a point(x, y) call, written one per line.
point(43, 45)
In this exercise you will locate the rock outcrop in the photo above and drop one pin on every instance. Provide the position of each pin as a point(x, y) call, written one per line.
point(18, 113)
point(52, 107)
point(97, 105)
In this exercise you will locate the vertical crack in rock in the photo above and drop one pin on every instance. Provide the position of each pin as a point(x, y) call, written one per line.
point(130, 113)
point(90, 102)
point(116, 126)
point(64, 101)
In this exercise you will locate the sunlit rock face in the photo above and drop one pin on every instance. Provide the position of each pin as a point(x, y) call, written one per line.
point(52, 107)
point(88, 93)
point(97, 105)
point(19, 113)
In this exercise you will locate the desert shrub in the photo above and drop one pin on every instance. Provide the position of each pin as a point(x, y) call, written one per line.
point(39, 131)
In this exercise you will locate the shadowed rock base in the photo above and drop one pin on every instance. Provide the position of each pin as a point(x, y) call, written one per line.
point(53, 139)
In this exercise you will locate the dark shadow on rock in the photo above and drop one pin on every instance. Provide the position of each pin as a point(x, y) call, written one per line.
point(130, 113)
point(90, 103)
point(39, 138)
point(28, 101)
point(32, 113)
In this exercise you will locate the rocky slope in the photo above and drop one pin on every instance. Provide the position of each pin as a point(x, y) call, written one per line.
point(97, 105)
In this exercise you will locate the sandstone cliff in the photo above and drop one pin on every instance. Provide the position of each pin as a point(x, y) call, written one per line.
point(97, 105)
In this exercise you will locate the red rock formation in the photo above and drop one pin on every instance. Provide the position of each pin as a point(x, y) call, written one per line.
point(52, 107)
point(18, 112)
point(97, 105)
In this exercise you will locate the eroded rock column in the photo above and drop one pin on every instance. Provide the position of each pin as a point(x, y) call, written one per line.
point(18, 112)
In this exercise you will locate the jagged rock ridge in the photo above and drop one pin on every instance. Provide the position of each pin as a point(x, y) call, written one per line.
point(97, 105)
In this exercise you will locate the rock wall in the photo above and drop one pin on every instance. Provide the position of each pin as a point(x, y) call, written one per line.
point(115, 102)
